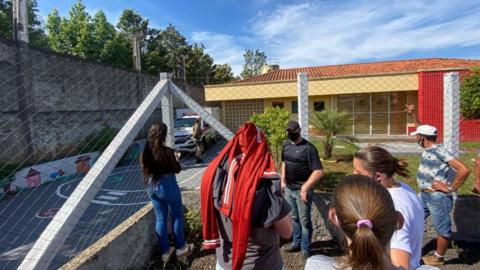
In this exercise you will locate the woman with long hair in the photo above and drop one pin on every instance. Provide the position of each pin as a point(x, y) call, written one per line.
point(379, 164)
point(159, 165)
point(364, 213)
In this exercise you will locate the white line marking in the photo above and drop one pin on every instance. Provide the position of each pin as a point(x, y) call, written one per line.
point(101, 202)
point(105, 197)
point(116, 193)
point(191, 177)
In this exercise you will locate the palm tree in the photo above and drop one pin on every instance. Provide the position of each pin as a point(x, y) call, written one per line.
point(330, 123)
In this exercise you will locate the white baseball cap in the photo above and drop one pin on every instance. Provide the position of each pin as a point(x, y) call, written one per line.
point(425, 130)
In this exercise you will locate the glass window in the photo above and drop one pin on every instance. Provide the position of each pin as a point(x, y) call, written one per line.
point(319, 106)
point(294, 106)
point(380, 113)
point(184, 122)
point(362, 113)
point(398, 116)
point(277, 105)
point(345, 104)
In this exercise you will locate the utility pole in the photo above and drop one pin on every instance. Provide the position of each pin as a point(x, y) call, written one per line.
point(137, 38)
point(20, 20)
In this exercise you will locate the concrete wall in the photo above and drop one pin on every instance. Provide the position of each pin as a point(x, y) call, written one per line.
point(50, 102)
point(129, 246)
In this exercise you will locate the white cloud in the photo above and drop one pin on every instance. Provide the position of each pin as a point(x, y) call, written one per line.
point(223, 48)
point(332, 32)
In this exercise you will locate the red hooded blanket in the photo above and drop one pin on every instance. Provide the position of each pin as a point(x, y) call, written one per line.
point(255, 164)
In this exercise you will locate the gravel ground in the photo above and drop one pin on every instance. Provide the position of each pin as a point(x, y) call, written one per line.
point(461, 255)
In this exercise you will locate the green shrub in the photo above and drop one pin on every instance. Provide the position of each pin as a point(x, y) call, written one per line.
point(193, 226)
point(470, 95)
point(273, 122)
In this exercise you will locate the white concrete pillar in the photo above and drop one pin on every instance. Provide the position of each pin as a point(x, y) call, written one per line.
point(451, 112)
point(302, 88)
point(167, 111)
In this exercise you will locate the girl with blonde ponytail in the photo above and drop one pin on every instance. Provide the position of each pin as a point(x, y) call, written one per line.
point(159, 166)
point(364, 213)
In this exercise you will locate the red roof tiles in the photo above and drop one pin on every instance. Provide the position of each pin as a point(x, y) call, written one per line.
point(401, 66)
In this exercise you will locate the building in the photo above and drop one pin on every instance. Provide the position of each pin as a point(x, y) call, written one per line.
point(373, 94)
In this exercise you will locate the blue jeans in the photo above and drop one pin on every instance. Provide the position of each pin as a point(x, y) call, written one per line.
point(439, 205)
point(301, 216)
point(165, 195)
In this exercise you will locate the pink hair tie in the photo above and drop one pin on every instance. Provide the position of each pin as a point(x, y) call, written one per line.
point(364, 222)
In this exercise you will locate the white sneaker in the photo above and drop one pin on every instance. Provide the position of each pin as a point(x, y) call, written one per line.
point(185, 251)
point(167, 256)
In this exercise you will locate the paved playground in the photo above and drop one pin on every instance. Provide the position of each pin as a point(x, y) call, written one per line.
point(26, 214)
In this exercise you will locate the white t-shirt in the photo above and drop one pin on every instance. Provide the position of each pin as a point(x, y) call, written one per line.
point(322, 262)
point(410, 237)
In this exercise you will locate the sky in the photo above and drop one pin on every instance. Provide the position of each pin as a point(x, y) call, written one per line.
point(309, 33)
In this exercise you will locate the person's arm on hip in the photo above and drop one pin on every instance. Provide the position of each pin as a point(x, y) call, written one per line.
point(461, 175)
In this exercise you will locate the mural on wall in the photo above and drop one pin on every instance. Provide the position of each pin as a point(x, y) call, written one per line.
point(33, 178)
point(133, 153)
point(58, 170)
point(65, 169)
point(83, 165)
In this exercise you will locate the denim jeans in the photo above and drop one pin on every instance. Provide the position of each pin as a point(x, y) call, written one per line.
point(439, 205)
point(301, 216)
point(165, 195)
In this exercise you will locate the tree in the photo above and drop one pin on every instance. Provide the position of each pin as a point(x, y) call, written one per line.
point(36, 35)
point(103, 32)
point(5, 19)
point(470, 95)
point(117, 52)
point(154, 59)
point(222, 74)
point(175, 46)
point(79, 32)
point(130, 22)
point(56, 28)
point(273, 122)
point(198, 65)
point(73, 36)
point(330, 123)
point(253, 63)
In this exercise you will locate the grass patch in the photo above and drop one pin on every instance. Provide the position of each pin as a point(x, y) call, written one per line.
point(469, 146)
point(335, 172)
point(342, 150)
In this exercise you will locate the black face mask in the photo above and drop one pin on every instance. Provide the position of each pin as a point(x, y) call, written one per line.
point(293, 136)
point(421, 142)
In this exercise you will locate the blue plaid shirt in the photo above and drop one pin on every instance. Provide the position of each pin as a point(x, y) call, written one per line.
point(434, 165)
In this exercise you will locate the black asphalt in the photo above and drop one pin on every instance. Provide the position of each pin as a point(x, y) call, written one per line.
point(121, 195)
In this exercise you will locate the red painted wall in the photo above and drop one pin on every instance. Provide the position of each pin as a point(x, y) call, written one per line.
point(430, 105)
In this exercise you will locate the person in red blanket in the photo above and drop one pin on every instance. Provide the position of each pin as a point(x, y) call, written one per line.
point(243, 209)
